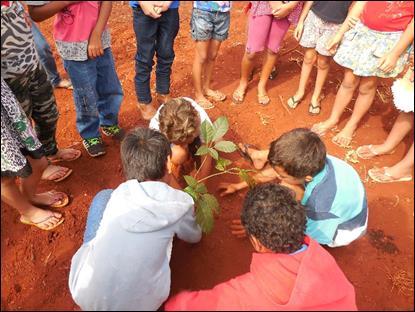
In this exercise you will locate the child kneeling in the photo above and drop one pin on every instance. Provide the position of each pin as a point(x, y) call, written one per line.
point(329, 188)
point(123, 263)
point(288, 270)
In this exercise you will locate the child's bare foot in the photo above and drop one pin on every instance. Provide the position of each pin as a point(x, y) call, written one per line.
point(344, 137)
point(238, 95)
point(215, 95)
point(43, 219)
point(51, 199)
point(258, 160)
point(147, 111)
point(321, 128)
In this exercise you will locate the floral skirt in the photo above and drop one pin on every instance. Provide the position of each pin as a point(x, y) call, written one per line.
point(362, 48)
point(18, 138)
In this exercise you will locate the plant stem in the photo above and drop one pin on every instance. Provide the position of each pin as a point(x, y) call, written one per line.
point(201, 165)
point(212, 175)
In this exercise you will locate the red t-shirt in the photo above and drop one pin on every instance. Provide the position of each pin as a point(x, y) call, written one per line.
point(388, 15)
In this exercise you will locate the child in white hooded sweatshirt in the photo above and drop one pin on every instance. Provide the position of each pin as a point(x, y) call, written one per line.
point(123, 263)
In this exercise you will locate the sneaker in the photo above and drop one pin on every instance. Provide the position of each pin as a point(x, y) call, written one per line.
point(94, 146)
point(113, 131)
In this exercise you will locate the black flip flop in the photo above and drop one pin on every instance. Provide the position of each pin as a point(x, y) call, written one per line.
point(312, 107)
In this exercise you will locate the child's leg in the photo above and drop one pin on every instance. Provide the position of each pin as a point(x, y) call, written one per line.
point(167, 32)
point(343, 98)
point(95, 214)
point(246, 69)
point(213, 50)
point(277, 31)
point(11, 195)
point(367, 92)
point(403, 124)
point(199, 63)
point(323, 66)
point(145, 29)
point(310, 57)
point(84, 77)
point(109, 90)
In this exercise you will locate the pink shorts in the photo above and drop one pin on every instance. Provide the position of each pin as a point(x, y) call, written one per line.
point(265, 31)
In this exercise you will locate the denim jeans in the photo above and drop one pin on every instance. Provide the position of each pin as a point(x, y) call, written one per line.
point(97, 93)
point(45, 55)
point(95, 213)
point(154, 36)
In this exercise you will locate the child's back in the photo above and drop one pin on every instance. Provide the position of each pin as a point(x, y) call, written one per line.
point(125, 266)
point(336, 204)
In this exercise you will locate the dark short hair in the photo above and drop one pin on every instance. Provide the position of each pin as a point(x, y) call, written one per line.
point(273, 216)
point(300, 152)
point(144, 154)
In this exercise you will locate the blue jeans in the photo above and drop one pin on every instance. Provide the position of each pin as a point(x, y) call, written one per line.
point(97, 93)
point(154, 36)
point(95, 213)
point(45, 55)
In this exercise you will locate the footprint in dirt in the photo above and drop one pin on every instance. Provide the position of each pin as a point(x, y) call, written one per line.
point(382, 242)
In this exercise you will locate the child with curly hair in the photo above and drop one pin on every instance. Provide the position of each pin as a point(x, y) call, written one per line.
point(288, 269)
point(179, 120)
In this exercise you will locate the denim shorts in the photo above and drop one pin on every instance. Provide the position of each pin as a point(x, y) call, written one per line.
point(205, 25)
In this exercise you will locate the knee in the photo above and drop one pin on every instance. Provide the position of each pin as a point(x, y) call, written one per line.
point(349, 83)
point(309, 58)
point(323, 63)
point(367, 88)
point(250, 56)
point(202, 58)
point(212, 56)
point(179, 155)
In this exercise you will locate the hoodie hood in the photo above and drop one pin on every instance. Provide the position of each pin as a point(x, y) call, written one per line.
point(147, 206)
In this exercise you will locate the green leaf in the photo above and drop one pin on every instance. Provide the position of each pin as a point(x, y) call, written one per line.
point(206, 132)
point(189, 190)
point(243, 174)
point(203, 150)
point(192, 182)
point(204, 215)
point(220, 126)
point(201, 188)
point(222, 163)
point(225, 146)
point(211, 202)
point(213, 153)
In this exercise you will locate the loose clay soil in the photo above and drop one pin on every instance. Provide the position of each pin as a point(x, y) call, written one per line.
point(35, 263)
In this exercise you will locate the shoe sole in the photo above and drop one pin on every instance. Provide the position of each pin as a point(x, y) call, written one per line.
point(94, 155)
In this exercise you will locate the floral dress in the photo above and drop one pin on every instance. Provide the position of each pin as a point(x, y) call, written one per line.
point(18, 139)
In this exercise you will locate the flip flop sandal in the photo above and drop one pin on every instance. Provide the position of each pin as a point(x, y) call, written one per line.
point(238, 97)
point(59, 159)
point(263, 99)
point(205, 104)
point(294, 102)
point(244, 152)
point(371, 150)
point(389, 179)
point(59, 203)
point(67, 174)
point(343, 145)
point(314, 110)
point(38, 224)
point(216, 95)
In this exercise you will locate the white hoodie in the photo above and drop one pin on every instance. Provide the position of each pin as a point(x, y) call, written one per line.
point(126, 265)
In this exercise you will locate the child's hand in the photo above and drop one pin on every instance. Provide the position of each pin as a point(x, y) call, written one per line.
point(333, 43)
point(238, 229)
point(298, 31)
point(388, 62)
point(150, 9)
point(281, 12)
point(95, 45)
point(228, 188)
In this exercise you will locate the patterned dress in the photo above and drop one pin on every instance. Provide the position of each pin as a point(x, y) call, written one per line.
point(18, 138)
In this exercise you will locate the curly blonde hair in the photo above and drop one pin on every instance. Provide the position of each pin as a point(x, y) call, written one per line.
point(179, 121)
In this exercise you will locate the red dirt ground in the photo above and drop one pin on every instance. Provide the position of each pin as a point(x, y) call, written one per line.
point(35, 264)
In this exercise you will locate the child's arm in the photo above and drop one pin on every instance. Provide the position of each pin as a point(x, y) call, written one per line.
point(350, 20)
point(40, 13)
point(388, 62)
point(298, 32)
point(188, 230)
point(266, 175)
point(95, 43)
point(285, 9)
